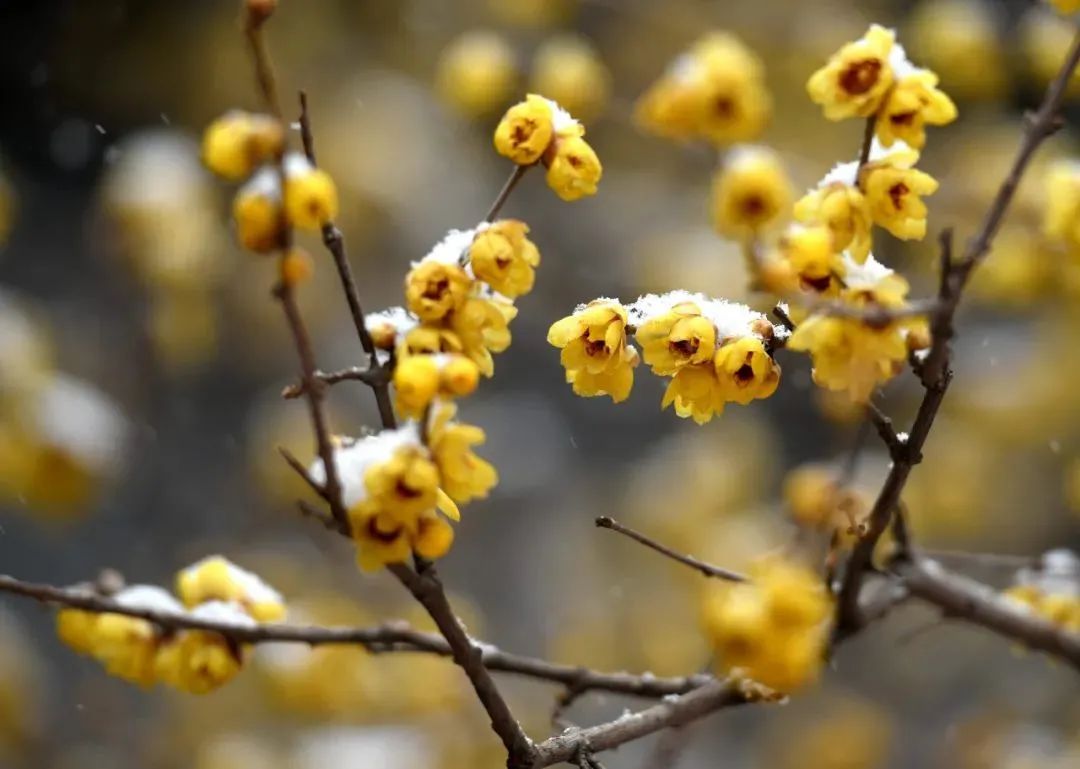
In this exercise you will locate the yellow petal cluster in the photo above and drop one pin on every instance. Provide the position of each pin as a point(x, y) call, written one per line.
point(1061, 210)
point(715, 91)
point(856, 78)
point(194, 661)
point(504, 258)
point(912, 104)
point(772, 629)
point(539, 130)
point(751, 193)
point(894, 189)
point(815, 498)
point(595, 353)
point(238, 142)
point(851, 355)
point(844, 210)
point(1049, 589)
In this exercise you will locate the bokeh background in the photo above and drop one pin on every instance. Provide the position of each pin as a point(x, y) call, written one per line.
point(141, 361)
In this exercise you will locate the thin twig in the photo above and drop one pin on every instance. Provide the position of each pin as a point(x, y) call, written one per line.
point(604, 522)
point(885, 430)
point(334, 242)
point(504, 194)
point(368, 376)
point(867, 143)
point(385, 638)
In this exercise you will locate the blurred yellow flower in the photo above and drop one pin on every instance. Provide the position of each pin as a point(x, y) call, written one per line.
point(1061, 212)
point(311, 198)
point(257, 214)
point(215, 578)
point(715, 91)
point(238, 142)
point(811, 253)
point(416, 381)
point(476, 73)
point(197, 662)
point(856, 78)
point(751, 193)
point(568, 69)
point(960, 40)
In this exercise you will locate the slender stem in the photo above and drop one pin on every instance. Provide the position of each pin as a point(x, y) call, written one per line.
point(604, 522)
point(264, 67)
point(369, 376)
point(504, 194)
point(867, 144)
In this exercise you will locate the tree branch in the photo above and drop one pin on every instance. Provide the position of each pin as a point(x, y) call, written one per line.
point(604, 522)
point(388, 637)
point(964, 598)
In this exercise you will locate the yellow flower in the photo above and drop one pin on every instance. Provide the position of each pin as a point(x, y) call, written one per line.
point(434, 289)
point(526, 130)
point(677, 338)
point(483, 326)
point(772, 629)
point(856, 78)
point(400, 488)
point(1066, 6)
point(849, 354)
point(750, 194)
point(844, 210)
point(696, 392)
point(573, 169)
point(893, 190)
point(745, 370)
point(76, 628)
point(715, 91)
point(595, 354)
point(569, 70)
point(476, 73)
point(815, 498)
point(197, 662)
point(258, 218)
point(429, 340)
point(311, 198)
point(504, 258)
point(1061, 216)
point(381, 538)
point(913, 103)
point(812, 254)
point(217, 579)
point(416, 381)
point(458, 376)
point(960, 40)
point(238, 142)
point(126, 647)
point(464, 476)
point(433, 536)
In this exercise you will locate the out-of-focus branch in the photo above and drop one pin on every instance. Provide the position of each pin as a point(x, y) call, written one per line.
point(961, 597)
point(372, 377)
point(935, 371)
point(604, 522)
point(672, 712)
point(384, 638)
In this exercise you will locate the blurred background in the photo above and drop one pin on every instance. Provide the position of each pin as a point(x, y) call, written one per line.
point(141, 361)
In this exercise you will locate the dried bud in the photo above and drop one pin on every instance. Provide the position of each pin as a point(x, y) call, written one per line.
point(762, 328)
point(258, 11)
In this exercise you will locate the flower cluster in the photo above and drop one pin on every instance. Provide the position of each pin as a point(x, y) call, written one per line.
point(816, 498)
point(393, 481)
point(239, 145)
point(715, 91)
point(538, 130)
point(853, 354)
point(195, 661)
point(1052, 590)
point(773, 629)
point(715, 352)
point(872, 78)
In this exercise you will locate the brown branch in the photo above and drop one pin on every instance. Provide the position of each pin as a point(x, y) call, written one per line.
point(428, 590)
point(885, 430)
point(334, 242)
point(385, 638)
point(504, 194)
point(670, 713)
point(867, 143)
point(964, 598)
point(263, 64)
point(370, 377)
point(935, 371)
point(604, 522)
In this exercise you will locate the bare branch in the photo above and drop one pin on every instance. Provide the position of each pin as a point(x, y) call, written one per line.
point(371, 377)
point(504, 194)
point(604, 522)
point(964, 598)
point(385, 638)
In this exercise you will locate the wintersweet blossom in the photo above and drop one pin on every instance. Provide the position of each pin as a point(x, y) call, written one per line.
point(841, 207)
point(595, 352)
point(238, 142)
point(751, 193)
point(894, 189)
point(913, 103)
point(503, 257)
point(715, 91)
point(526, 130)
point(856, 78)
point(215, 578)
point(773, 629)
